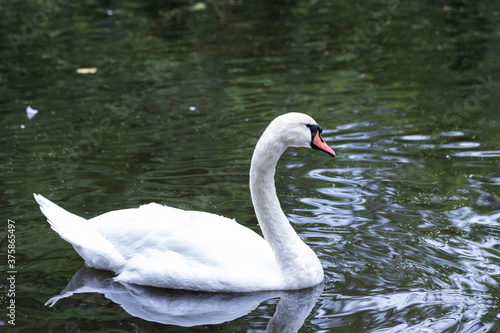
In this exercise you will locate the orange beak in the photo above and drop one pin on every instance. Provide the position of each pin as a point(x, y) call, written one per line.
point(320, 144)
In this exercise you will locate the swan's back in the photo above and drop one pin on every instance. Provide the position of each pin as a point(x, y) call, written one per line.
point(173, 248)
point(159, 227)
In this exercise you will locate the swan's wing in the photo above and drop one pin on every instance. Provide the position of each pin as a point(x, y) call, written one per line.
point(173, 248)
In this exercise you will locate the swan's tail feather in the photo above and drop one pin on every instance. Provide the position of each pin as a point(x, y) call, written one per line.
point(90, 244)
point(63, 222)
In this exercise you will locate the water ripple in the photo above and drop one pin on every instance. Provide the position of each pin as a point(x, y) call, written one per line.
point(482, 154)
point(415, 137)
point(447, 309)
point(460, 145)
point(396, 223)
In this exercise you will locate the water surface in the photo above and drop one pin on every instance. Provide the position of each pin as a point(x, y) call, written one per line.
point(406, 220)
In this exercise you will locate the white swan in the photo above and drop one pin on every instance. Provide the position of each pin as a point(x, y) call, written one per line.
point(166, 247)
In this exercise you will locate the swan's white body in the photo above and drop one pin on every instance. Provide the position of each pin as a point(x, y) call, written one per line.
point(167, 247)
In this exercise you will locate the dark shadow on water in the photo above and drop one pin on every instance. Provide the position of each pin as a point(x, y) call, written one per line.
point(189, 308)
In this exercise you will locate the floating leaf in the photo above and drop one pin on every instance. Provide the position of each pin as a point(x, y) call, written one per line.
point(90, 70)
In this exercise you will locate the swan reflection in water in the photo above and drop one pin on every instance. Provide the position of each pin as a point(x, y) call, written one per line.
point(190, 308)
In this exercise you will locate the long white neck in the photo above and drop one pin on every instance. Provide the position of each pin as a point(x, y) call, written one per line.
point(299, 264)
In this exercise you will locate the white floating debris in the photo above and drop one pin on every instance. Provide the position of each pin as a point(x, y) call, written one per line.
point(30, 112)
point(109, 12)
point(23, 126)
point(192, 108)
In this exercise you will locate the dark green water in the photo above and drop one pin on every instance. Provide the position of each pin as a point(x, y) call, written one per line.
point(406, 220)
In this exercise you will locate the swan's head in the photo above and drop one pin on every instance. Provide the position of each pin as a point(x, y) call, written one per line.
point(300, 130)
